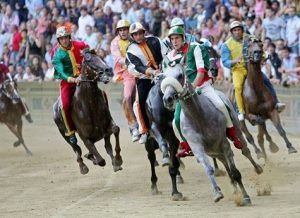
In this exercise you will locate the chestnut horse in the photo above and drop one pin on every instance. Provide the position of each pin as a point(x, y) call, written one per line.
point(259, 103)
point(11, 110)
point(90, 114)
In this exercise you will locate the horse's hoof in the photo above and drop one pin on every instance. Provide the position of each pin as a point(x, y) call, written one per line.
point(89, 156)
point(83, 169)
point(117, 168)
point(17, 143)
point(259, 154)
point(218, 196)
point(179, 179)
point(292, 150)
point(219, 172)
point(273, 147)
point(247, 201)
point(177, 197)
point(154, 191)
point(101, 163)
point(29, 153)
point(166, 161)
point(117, 162)
point(258, 169)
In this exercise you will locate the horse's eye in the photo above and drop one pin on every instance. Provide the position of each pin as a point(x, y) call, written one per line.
point(88, 57)
point(179, 77)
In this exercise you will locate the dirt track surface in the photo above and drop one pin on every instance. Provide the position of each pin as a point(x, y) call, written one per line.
point(49, 183)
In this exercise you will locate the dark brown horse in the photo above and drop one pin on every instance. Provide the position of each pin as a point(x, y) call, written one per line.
point(90, 114)
point(11, 111)
point(259, 103)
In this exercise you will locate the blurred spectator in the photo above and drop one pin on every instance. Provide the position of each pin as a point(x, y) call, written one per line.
point(260, 7)
point(49, 75)
point(158, 16)
point(141, 19)
point(200, 15)
point(115, 5)
point(100, 24)
point(48, 52)
point(28, 77)
point(34, 45)
point(84, 20)
point(36, 68)
point(10, 18)
point(5, 57)
point(288, 63)
point(90, 37)
point(33, 6)
point(19, 73)
point(210, 8)
point(273, 64)
point(22, 10)
point(190, 20)
point(15, 44)
point(273, 26)
point(293, 31)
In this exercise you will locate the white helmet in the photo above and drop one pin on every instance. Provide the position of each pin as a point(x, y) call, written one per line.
point(123, 23)
point(176, 21)
point(235, 24)
point(135, 27)
point(205, 42)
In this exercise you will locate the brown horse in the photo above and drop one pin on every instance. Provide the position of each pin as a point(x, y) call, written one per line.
point(11, 111)
point(91, 115)
point(259, 103)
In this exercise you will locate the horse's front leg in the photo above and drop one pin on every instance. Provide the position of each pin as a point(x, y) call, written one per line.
point(276, 122)
point(198, 150)
point(173, 169)
point(161, 143)
point(250, 139)
point(83, 168)
point(237, 177)
point(150, 148)
point(118, 158)
point(109, 151)
point(272, 145)
point(97, 158)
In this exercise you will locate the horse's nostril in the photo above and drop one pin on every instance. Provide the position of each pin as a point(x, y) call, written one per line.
point(169, 100)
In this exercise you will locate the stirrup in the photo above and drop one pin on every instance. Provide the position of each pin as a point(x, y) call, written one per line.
point(73, 139)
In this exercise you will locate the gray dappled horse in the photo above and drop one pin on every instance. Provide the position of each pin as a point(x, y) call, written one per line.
point(162, 135)
point(91, 115)
point(11, 110)
point(204, 127)
point(259, 103)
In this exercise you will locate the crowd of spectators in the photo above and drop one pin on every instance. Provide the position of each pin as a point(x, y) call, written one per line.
point(28, 29)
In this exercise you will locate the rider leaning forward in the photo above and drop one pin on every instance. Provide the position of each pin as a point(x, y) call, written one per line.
point(67, 60)
point(118, 50)
point(197, 72)
point(233, 53)
point(144, 56)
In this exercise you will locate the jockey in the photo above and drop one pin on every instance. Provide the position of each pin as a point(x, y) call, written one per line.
point(118, 50)
point(4, 73)
point(176, 21)
point(197, 72)
point(67, 60)
point(233, 53)
point(144, 56)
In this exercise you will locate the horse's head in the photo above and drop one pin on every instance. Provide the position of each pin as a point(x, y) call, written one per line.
point(94, 68)
point(212, 53)
point(172, 84)
point(9, 89)
point(255, 50)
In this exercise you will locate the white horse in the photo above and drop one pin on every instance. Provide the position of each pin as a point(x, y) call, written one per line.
point(204, 127)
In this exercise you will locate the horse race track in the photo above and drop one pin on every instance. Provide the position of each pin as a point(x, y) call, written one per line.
point(49, 184)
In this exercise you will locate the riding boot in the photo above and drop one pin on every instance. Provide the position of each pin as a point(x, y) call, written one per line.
point(231, 134)
point(73, 139)
point(185, 150)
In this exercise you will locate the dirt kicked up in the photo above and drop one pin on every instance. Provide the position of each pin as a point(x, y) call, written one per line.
point(49, 184)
